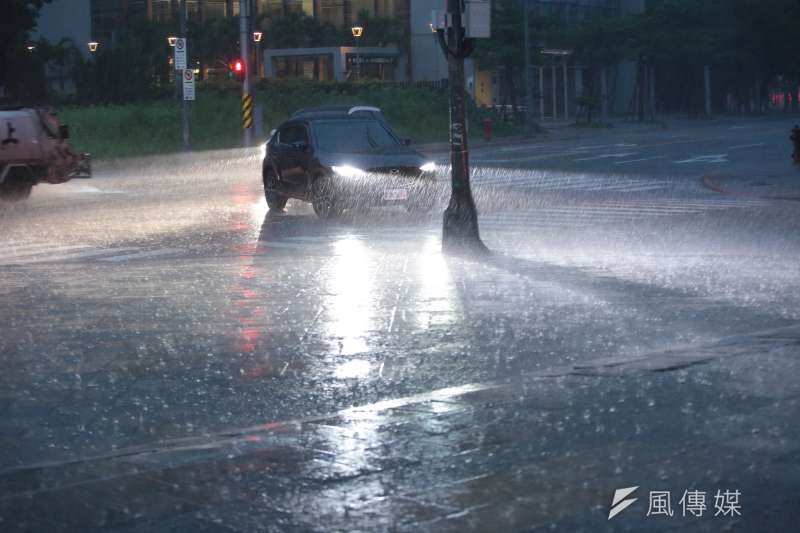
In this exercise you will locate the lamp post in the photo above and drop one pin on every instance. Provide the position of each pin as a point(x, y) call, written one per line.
point(460, 224)
point(93, 46)
point(172, 40)
point(257, 36)
point(247, 98)
point(357, 32)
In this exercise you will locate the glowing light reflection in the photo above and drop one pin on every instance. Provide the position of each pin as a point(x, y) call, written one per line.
point(349, 295)
point(357, 368)
point(436, 287)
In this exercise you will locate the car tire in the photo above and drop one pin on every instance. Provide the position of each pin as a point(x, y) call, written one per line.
point(323, 198)
point(15, 188)
point(275, 200)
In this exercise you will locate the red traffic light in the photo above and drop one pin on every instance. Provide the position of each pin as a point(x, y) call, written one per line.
point(237, 68)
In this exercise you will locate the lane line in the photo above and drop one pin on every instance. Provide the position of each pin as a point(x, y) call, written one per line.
point(639, 160)
point(741, 146)
point(142, 255)
point(606, 156)
point(73, 256)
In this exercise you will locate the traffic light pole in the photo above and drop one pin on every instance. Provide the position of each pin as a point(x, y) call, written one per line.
point(460, 226)
point(184, 103)
point(247, 100)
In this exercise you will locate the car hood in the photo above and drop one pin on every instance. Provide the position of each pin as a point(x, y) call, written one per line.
point(400, 156)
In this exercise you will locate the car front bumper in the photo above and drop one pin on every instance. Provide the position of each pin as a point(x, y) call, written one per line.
point(372, 190)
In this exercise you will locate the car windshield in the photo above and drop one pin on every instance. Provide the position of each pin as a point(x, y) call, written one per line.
point(353, 136)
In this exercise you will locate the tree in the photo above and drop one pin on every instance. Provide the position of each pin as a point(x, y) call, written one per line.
point(17, 20)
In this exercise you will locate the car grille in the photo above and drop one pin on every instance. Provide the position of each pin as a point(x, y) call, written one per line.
point(401, 172)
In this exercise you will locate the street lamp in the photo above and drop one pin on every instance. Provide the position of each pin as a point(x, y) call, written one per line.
point(357, 32)
point(172, 40)
point(257, 36)
point(93, 46)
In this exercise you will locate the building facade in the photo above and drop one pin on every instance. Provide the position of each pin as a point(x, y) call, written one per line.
point(557, 81)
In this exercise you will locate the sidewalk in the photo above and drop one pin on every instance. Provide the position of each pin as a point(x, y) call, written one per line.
point(542, 453)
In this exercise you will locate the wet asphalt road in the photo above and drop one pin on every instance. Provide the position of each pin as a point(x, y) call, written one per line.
point(161, 299)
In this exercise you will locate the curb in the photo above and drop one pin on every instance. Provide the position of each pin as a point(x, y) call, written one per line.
point(710, 183)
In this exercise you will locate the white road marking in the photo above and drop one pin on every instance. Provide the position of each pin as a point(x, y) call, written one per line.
point(71, 256)
point(34, 250)
point(90, 189)
point(290, 245)
point(558, 182)
point(606, 156)
point(142, 255)
point(582, 216)
point(741, 146)
point(713, 158)
point(639, 160)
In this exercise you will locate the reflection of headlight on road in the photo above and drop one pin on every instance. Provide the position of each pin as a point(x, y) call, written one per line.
point(428, 167)
point(348, 171)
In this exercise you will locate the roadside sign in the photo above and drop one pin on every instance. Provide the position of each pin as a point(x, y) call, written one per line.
point(188, 84)
point(478, 15)
point(180, 54)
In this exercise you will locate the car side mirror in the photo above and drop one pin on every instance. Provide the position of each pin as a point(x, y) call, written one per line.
point(63, 131)
point(407, 142)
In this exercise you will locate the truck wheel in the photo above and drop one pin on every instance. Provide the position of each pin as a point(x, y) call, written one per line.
point(15, 189)
point(275, 200)
point(323, 199)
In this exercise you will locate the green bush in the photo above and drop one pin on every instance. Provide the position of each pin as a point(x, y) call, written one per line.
point(421, 114)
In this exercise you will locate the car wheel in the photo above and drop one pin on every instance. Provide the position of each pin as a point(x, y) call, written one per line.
point(323, 199)
point(15, 189)
point(275, 200)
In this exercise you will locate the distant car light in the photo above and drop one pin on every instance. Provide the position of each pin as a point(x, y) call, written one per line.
point(428, 167)
point(348, 171)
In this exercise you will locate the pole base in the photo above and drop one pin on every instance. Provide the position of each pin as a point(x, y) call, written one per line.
point(460, 229)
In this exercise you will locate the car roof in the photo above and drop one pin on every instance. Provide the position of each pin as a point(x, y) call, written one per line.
point(338, 111)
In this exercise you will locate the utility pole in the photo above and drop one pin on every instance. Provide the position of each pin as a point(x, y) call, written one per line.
point(184, 104)
point(460, 225)
point(527, 71)
point(247, 99)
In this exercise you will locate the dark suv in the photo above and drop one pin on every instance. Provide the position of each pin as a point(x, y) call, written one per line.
point(342, 157)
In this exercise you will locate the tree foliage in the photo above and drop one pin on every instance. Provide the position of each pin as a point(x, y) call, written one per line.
point(17, 19)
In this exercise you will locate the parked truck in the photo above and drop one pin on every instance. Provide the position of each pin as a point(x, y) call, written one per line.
point(34, 148)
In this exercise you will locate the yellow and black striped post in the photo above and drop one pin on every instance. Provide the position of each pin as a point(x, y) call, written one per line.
point(247, 111)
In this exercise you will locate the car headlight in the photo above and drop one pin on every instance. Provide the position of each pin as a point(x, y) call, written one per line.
point(348, 171)
point(428, 167)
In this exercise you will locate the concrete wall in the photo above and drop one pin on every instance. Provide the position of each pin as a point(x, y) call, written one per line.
point(66, 18)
